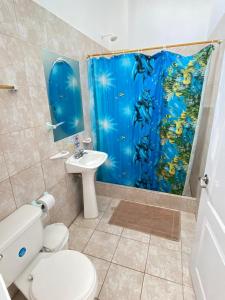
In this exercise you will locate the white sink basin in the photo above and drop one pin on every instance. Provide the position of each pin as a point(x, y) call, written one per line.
point(87, 166)
point(91, 160)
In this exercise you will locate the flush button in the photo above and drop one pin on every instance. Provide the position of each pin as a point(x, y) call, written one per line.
point(22, 252)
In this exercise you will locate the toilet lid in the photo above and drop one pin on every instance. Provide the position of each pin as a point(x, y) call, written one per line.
point(54, 236)
point(67, 275)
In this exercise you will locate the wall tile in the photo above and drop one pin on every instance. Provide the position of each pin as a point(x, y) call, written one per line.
point(16, 111)
point(57, 38)
point(20, 150)
point(12, 61)
point(28, 185)
point(28, 20)
point(33, 65)
point(148, 197)
point(8, 17)
point(39, 104)
point(54, 171)
point(74, 185)
point(59, 191)
point(64, 210)
point(7, 203)
point(45, 141)
point(25, 145)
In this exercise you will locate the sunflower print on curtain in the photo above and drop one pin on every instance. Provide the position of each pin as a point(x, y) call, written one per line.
point(144, 111)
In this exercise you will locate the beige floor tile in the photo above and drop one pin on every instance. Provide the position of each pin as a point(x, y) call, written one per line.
point(159, 289)
point(165, 243)
point(131, 254)
point(121, 284)
point(88, 223)
point(136, 235)
point(186, 269)
point(102, 245)
point(187, 241)
point(164, 263)
point(104, 223)
point(188, 225)
point(79, 237)
point(189, 293)
point(103, 202)
point(101, 267)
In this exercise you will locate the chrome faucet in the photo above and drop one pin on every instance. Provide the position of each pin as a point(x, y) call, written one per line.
point(79, 153)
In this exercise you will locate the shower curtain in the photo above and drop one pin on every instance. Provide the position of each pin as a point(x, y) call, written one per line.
point(144, 111)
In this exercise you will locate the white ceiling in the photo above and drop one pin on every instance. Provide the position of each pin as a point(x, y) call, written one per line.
point(140, 23)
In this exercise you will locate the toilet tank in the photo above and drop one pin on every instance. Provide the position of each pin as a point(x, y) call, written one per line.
point(21, 238)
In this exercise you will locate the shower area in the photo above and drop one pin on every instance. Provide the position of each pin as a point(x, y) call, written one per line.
point(145, 112)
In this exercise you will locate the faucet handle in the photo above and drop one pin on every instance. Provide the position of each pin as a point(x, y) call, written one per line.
point(76, 142)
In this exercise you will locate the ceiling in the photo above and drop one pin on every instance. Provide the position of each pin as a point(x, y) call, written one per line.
point(140, 23)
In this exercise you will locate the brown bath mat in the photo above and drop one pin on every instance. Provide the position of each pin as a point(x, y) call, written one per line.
point(149, 219)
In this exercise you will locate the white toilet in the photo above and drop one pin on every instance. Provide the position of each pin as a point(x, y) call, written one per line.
point(28, 260)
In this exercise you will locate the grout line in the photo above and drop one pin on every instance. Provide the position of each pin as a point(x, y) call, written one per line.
point(128, 238)
point(104, 280)
point(111, 261)
point(109, 265)
point(94, 230)
point(145, 266)
point(148, 253)
point(182, 279)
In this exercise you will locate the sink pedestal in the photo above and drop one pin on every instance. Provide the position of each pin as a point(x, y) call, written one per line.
point(89, 196)
point(87, 165)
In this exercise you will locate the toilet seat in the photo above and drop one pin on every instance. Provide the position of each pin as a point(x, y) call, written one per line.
point(67, 275)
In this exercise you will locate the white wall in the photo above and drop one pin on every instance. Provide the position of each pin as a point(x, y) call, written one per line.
point(217, 12)
point(94, 18)
point(159, 22)
point(138, 23)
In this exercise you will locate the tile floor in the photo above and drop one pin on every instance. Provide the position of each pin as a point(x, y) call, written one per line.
point(132, 265)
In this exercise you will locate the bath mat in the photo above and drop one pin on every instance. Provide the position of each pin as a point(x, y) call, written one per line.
point(155, 220)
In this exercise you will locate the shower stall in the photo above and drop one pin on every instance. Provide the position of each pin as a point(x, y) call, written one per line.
point(144, 113)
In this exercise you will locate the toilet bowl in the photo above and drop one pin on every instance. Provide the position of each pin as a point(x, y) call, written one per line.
point(32, 259)
point(65, 275)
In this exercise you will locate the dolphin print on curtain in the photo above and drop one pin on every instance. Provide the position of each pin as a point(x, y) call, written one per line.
point(144, 111)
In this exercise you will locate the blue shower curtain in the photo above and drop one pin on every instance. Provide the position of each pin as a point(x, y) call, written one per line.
point(144, 111)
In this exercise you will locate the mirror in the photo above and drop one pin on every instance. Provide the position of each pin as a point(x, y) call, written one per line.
point(64, 95)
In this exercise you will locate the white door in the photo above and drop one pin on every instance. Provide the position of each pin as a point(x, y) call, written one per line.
point(208, 255)
point(4, 295)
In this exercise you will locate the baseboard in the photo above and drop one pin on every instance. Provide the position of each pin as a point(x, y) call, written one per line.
point(182, 203)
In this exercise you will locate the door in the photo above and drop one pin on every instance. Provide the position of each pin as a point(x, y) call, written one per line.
point(4, 295)
point(208, 255)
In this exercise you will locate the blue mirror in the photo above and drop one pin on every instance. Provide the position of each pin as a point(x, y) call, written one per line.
point(64, 94)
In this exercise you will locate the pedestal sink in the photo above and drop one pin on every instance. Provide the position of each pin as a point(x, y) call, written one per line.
point(87, 166)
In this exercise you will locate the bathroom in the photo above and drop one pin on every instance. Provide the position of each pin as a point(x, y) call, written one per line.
point(38, 162)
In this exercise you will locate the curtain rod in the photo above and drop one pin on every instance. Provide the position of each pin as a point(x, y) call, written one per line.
point(155, 48)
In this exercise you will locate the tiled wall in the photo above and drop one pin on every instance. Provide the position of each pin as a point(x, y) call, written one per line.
point(25, 145)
